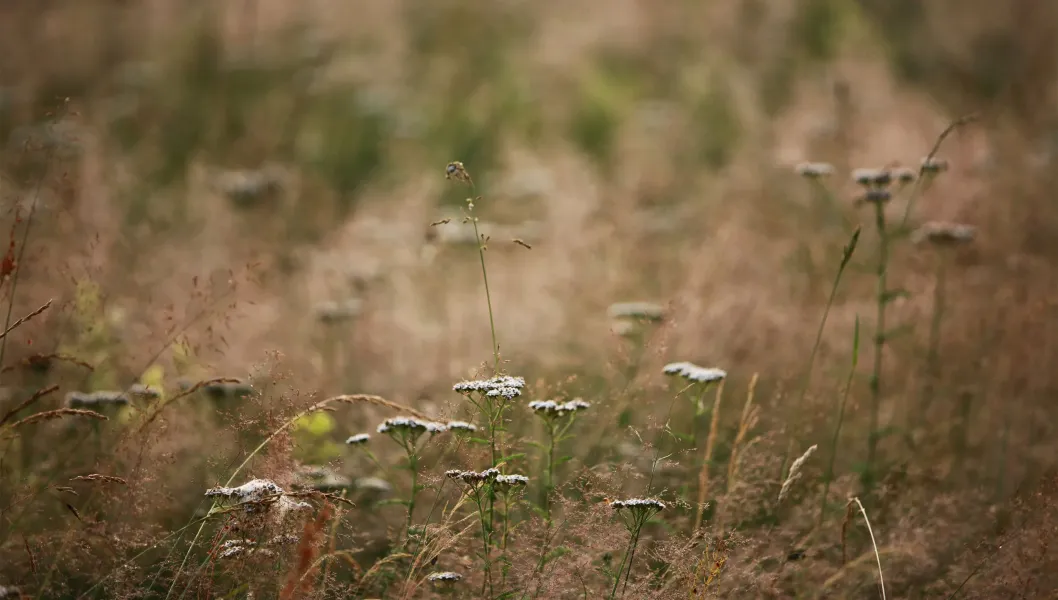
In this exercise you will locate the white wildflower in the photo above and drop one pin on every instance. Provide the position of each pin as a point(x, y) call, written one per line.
point(945, 234)
point(444, 577)
point(694, 373)
point(814, 170)
point(636, 310)
point(933, 165)
point(358, 439)
point(503, 386)
point(461, 426)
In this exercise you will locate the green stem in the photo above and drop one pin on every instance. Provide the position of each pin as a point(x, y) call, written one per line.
point(879, 337)
point(933, 351)
point(486, 543)
point(807, 377)
point(549, 480)
point(488, 295)
point(841, 417)
point(413, 464)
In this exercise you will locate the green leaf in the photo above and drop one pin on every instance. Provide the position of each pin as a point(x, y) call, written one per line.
point(392, 501)
point(478, 441)
point(512, 457)
point(563, 460)
point(625, 418)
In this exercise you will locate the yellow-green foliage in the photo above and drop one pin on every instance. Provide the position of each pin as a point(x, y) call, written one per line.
point(91, 338)
point(603, 100)
point(312, 439)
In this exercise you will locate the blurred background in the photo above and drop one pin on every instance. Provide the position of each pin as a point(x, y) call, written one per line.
point(246, 188)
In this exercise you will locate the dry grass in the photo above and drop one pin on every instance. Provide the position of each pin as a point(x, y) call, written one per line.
point(220, 235)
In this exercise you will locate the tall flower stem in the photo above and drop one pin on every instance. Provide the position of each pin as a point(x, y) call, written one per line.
point(882, 300)
point(413, 464)
point(933, 349)
point(488, 294)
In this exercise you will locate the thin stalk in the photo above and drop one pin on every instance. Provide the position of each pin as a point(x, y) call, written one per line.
point(846, 256)
point(841, 417)
point(549, 480)
point(631, 557)
point(488, 294)
point(22, 248)
point(413, 464)
point(933, 350)
point(916, 192)
point(882, 301)
point(486, 543)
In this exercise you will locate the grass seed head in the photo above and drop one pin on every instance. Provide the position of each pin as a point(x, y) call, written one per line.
point(795, 473)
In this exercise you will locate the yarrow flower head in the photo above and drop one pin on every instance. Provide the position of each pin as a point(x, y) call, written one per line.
point(550, 409)
point(637, 511)
point(945, 234)
point(255, 495)
point(647, 311)
point(461, 427)
point(814, 170)
point(97, 400)
point(503, 386)
point(474, 479)
point(506, 483)
point(693, 373)
point(358, 439)
point(406, 431)
point(933, 165)
point(444, 577)
point(873, 178)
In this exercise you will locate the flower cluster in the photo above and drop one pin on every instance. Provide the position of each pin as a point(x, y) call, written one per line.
point(945, 234)
point(694, 373)
point(933, 165)
point(505, 483)
point(444, 577)
point(636, 310)
point(461, 427)
point(639, 504)
point(410, 424)
point(473, 478)
point(504, 386)
point(549, 408)
point(358, 439)
point(637, 511)
point(255, 494)
point(96, 400)
point(810, 170)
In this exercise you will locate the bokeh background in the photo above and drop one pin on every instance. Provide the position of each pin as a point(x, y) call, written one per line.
point(245, 188)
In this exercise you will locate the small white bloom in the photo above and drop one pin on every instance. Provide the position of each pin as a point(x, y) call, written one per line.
point(814, 170)
point(444, 577)
point(694, 373)
point(358, 439)
point(934, 165)
point(462, 426)
point(636, 310)
point(647, 504)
